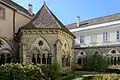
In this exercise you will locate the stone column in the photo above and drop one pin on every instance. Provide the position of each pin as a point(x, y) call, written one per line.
point(111, 61)
point(116, 60)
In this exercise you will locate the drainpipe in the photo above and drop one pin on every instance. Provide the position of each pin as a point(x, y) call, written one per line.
point(14, 23)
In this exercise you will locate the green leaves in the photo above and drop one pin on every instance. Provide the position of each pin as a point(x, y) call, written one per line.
point(28, 72)
point(21, 72)
point(97, 62)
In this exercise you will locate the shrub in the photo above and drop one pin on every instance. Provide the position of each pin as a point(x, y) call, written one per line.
point(81, 69)
point(21, 72)
point(100, 77)
point(49, 72)
point(112, 71)
point(96, 62)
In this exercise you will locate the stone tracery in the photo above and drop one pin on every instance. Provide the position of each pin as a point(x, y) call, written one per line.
point(65, 55)
point(41, 51)
point(114, 57)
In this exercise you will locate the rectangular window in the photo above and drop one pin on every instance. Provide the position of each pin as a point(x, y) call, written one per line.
point(118, 35)
point(81, 39)
point(93, 38)
point(2, 13)
point(105, 36)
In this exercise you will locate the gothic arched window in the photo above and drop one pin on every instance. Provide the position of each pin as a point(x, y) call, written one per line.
point(8, 60)
point(43, 59)
point(38, 58)
point(2, 59)
point(34, 59)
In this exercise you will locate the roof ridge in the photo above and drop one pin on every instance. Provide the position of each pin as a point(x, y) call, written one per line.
point(52, 15)
point(95, 18)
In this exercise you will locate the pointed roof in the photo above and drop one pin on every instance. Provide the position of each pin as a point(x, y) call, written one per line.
point(45, 19)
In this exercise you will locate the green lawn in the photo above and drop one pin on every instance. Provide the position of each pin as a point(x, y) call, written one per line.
point(81, 78)
point(78, 79)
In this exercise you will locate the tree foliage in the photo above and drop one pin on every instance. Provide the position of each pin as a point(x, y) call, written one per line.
point(97, 62)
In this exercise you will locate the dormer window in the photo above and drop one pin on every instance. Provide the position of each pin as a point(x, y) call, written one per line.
point(2, 13)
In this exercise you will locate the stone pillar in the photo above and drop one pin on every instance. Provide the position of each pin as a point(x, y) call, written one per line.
point(118, 60)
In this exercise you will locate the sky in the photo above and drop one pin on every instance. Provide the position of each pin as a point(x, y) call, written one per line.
point(68, 10)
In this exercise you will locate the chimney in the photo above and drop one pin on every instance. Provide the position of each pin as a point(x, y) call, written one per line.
point(78, 21)
point(30, 8)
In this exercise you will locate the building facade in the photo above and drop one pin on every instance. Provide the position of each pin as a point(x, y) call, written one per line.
point(12, 16)
point(28, 38)
point(101, 35)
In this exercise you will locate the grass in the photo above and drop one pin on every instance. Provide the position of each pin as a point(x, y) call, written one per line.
point(82, 77)
point(78, 79)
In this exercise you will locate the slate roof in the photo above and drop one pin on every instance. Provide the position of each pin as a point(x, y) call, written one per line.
point(99, 20)
point(45, 19)
point(17, 6)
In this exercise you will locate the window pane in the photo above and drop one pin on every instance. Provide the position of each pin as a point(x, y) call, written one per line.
point(105, 36)
point(118, 34)
point(81, 39)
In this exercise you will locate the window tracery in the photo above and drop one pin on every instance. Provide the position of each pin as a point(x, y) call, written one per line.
point(114, 57)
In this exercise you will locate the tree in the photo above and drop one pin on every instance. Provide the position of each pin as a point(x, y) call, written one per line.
point(97, 62)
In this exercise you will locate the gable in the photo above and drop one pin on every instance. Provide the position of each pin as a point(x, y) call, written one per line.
point(44, 19)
